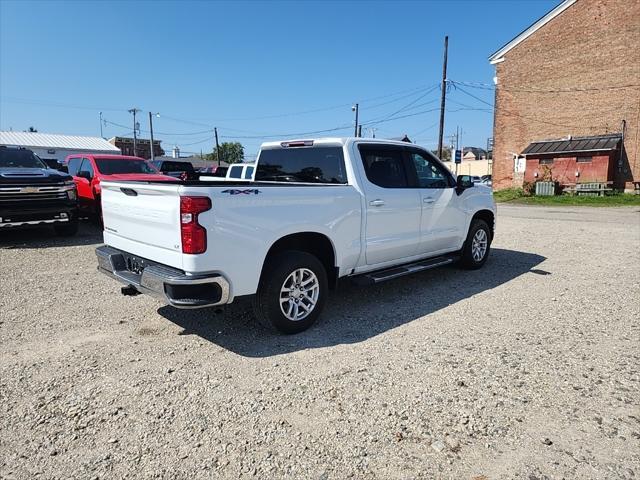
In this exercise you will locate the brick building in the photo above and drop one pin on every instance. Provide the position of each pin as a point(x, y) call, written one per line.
point(125, 144)
point(573, 73)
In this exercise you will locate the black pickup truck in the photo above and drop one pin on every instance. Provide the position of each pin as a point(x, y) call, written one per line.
point(33, 194)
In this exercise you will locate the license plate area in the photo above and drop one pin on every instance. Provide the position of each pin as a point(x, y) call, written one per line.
point(135, 264)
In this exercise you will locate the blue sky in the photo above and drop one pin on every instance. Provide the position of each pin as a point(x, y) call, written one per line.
point(253, 69)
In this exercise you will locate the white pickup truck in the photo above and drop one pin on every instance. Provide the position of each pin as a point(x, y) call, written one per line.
point(317, 210)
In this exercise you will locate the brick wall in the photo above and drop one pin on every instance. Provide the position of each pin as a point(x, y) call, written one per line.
point(564, 168)
point(592, 44)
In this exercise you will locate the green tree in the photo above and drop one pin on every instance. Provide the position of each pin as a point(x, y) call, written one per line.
point(446, 154)
point(230, 152)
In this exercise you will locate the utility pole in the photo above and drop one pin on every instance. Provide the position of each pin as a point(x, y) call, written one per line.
point(355, 108)
point(443, 95)
point(135, 139)
point(359, 130)
point(101, 136)
point(151, 132)
point(215, 130)
point(373, 132)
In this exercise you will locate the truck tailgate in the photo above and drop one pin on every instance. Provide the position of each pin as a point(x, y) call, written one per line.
point(143, 219)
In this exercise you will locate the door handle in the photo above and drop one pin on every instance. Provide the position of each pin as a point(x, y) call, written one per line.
point(428, 200)
point(376, 203)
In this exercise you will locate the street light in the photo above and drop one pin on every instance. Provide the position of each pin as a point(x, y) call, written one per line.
point(151, 115)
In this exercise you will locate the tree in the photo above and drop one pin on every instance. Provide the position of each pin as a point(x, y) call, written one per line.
point(446, 154)
point(230, 152)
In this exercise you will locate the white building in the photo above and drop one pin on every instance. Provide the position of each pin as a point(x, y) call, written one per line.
point(54, 148)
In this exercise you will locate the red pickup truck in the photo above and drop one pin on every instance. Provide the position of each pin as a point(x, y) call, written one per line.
point(89, 169)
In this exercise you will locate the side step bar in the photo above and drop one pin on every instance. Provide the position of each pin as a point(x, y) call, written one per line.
point(378, 276)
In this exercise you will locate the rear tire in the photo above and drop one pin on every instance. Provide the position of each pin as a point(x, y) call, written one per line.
point(477, 245)
point(292, 292)
point(67, 229)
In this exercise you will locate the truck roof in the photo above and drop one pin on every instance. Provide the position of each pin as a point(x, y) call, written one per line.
point(330, 141)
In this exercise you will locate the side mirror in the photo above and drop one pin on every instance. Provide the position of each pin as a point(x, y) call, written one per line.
point(463, 182)
point(84, 174)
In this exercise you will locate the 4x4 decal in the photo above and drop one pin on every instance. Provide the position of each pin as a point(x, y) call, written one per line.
point(247, 191)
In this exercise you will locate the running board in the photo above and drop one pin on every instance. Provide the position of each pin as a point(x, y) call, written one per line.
point(407, 269)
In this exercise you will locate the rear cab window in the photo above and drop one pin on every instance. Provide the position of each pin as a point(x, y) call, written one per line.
point(318, 164)
point(235, 172)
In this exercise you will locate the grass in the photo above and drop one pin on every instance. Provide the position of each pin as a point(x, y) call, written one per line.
point(516, 195)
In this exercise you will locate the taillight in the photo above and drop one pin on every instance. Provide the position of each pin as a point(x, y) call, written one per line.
point(194, 235)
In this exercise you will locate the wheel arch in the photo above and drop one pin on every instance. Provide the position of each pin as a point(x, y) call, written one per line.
point(486, 215)
point(315, 243)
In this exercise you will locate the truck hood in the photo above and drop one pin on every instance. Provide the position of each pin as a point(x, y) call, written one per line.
point(32, 176)
point(141, 177)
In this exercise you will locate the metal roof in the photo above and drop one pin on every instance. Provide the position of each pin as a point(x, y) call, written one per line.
point(498, 55)
point(49, 140)
point(596, 143)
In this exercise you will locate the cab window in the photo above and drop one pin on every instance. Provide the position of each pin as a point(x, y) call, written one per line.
point(86, 166)
point(384, 166)
point(74, 165)
point(429, 172)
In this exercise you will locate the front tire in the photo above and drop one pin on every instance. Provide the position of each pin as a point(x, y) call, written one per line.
point(292, 292)
point(477, 245)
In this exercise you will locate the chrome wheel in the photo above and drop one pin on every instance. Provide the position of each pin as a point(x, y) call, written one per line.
point(479, 245)
point(299, 294)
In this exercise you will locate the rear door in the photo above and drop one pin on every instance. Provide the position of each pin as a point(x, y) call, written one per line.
point(393, 208)
point(143, 219)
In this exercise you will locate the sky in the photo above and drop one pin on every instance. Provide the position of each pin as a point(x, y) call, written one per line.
point(258, 71)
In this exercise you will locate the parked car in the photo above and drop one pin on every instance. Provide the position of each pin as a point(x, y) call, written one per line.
point(238, 171)
point(316, 211)
point(476, 179)
point(214, 171)
point(33, 194)
point(241, 171)
point(89, 170)
point(183, 170)
point(486, 180)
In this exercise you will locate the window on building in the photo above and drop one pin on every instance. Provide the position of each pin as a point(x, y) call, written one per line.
point(584, 159)
point(545, 161)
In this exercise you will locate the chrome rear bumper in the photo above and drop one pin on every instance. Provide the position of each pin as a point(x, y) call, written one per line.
point(169, 284)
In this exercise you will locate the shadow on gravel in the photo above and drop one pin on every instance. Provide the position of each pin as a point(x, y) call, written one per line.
point(44, 237)
point(354, 314)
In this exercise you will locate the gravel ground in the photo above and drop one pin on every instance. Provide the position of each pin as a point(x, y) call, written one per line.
point(526, 369)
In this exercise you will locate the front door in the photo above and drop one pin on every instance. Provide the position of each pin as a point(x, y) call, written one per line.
point(83, 181)
point(442, 218)
point(393, 208)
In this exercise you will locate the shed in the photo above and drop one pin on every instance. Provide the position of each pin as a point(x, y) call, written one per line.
point(53, 148)
point(573, 159)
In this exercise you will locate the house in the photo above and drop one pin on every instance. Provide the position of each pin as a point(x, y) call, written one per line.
point(573, 74)
point(142, 146)
point(573, 160)
point(473, 153)
point(53, 148)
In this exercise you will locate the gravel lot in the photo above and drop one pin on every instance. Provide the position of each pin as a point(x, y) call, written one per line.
point(527, 369)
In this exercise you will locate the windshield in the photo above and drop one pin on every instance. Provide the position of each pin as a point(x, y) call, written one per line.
point(113, 166)
point(14, 158)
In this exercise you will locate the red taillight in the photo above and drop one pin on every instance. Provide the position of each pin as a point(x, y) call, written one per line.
point(194, 236)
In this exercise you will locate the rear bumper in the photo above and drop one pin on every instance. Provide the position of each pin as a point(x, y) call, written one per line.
point(170, 285)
